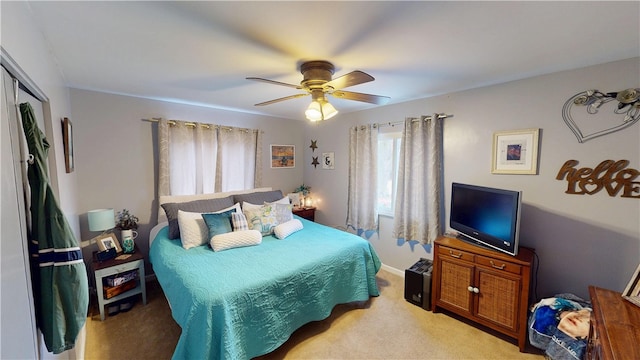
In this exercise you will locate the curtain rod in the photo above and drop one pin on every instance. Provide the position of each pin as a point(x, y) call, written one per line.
point(440, 116)
point(194, 124)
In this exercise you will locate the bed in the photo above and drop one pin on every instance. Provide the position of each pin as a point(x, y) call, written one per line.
point(247, 301)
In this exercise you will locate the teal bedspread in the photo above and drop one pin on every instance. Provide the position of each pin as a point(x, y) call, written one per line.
point(245, 302)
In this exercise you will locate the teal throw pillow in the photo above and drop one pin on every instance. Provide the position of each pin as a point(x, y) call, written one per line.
point(218, 223)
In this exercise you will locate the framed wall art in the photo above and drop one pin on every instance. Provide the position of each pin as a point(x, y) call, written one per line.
point(283, 156)
point(515, 152)
point(67, 138)
point(328, 159)
point(632, 291)
point(108, 241)
point(295, 199)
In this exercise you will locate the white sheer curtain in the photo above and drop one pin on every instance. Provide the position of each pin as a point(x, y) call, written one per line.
point(362, 204)
point(205, 158)
point(419, 193)
point(239, 155)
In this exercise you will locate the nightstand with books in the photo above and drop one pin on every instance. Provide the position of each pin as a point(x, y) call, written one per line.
point(118, 279)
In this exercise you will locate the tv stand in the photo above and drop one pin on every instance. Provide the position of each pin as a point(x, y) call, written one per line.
point(485, 286)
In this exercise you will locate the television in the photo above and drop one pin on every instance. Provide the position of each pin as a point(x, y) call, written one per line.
point(486, 216)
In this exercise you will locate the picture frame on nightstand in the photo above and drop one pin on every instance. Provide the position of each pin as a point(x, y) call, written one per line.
point(108, 241)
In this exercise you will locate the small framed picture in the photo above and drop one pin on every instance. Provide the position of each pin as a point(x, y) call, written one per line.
point(283, 156)
point(632, 291)
point(295, 199)
point(67, 135)
point(108, 241)
point(515, 152)
point(328, 159)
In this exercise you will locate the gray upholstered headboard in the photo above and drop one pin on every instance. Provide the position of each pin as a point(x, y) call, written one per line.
point(184, 198)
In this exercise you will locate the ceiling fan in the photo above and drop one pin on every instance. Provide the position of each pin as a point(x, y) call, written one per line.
point(318, 83)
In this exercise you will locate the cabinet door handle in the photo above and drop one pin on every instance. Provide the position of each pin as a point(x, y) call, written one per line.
point(457, 256)
point(501, 267)
point(473, 289)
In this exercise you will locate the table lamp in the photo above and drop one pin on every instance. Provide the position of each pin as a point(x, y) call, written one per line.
point(101, 220)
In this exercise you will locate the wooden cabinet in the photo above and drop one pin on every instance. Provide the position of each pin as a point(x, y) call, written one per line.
point(614, 328)
point(306, 213)
point(485, 286)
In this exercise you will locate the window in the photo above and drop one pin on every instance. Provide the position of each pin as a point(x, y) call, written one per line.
point(388, 155)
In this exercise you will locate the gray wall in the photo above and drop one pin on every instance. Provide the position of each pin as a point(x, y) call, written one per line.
point(581, 240)
point(116, 157)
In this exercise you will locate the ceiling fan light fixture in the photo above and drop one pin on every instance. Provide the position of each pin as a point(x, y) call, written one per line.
point(318, 81)
point(314, 111)
point(319, 110)
point(328, 111)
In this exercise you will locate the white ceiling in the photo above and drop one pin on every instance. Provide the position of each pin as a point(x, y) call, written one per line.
point(201, 52)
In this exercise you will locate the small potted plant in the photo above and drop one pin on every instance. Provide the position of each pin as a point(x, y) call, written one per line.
point(127, 223)
point(304, 189)
point(305, 200)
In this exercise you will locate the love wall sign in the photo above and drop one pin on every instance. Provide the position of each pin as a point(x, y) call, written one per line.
point(610, 175)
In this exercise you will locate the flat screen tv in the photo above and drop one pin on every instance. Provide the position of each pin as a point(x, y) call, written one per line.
point(486, 216)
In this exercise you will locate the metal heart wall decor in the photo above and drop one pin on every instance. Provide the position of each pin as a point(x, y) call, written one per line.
point(625, 105)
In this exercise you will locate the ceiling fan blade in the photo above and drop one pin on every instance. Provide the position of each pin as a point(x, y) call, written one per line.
point(350, 79)
point(368, 98)
point(274, 82)
point(281, 99)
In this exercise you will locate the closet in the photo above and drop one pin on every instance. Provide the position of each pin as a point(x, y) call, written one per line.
point(18, 328)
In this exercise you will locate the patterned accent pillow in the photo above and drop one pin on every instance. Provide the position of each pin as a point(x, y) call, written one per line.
point(262, 219)
point(239, 221)
point(283, 212)
point(247, 205)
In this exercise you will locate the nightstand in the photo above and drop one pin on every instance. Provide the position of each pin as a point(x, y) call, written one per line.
point(306, 213)
point(109, 267)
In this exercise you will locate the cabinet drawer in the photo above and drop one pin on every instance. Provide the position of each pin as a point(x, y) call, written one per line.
point(455, 253)
point(499, 264)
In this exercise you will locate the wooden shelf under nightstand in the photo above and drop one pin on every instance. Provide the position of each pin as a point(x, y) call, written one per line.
point(308, 213)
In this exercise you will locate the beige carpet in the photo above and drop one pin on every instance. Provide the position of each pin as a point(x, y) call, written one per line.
point(386, 327)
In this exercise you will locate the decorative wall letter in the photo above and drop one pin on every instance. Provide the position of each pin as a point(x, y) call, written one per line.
point(610, 175)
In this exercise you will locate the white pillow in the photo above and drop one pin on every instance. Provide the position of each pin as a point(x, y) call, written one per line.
point(193, 230)
point(235, 239)
point(249, 206)
point(285, 229)
point(284, 200)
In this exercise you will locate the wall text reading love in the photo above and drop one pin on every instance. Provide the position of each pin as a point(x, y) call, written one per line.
point(610, 175)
